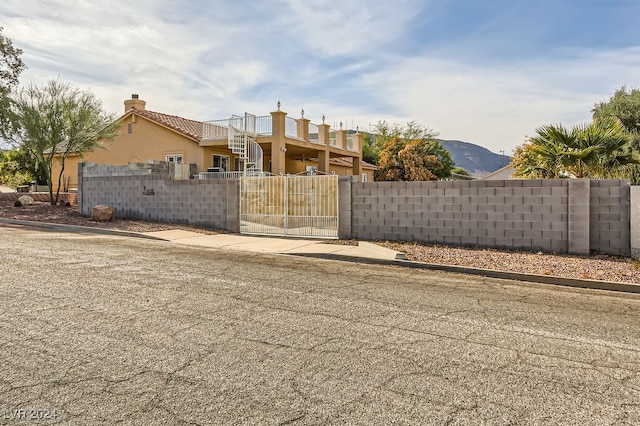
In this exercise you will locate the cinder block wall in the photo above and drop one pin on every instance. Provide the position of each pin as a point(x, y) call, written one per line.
point(146, 192)
point(561, 215)
point(610, 212)
point(515, 214)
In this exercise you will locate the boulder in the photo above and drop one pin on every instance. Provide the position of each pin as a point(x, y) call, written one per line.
point(102, 213)
point(26, 200)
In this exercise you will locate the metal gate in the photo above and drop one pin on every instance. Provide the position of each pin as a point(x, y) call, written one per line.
point(300, 206)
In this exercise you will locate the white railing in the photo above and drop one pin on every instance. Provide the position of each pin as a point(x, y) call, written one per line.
point(314, 133)
point(291, 127)
point(215, 130)
point(230, 175)
point(219, 175)
point(264, 125)
point(254, 156)
point(250, 121)
point(332, 138)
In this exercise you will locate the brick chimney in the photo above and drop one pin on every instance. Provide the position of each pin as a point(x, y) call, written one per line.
point(134, 102)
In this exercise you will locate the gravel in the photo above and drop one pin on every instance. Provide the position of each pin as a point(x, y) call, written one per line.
point(596, 267)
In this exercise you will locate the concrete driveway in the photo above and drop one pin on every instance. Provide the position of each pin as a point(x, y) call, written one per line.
point(104, 330)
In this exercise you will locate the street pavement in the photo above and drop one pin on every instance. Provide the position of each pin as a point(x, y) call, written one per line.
point(97, 329)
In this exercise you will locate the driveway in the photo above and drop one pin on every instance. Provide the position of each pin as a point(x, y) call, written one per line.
point(104, 330)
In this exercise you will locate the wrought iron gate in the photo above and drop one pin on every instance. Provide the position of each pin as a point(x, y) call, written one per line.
point(301, 206)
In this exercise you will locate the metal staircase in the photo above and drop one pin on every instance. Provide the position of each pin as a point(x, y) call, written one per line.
point(242, 142)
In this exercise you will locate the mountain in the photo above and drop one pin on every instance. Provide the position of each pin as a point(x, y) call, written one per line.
point(477, 160)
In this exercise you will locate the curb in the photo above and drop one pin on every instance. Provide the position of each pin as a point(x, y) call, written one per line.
point(532, 278)
point(78, 228)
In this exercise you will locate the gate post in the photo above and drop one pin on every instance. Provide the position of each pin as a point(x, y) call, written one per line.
point(344, 206)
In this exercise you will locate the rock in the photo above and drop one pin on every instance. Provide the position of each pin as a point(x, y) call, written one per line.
point(26, 200)
point(17, 204)
point(102, 213)
point(64, 203)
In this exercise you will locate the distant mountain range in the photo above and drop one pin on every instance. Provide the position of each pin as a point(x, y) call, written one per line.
point(477, 160)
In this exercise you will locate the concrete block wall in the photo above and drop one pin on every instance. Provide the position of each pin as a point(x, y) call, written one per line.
point(635, 220)
point(344, 206)
point(610, 212)
point(156, 197)
point(554, 215)
point(551, 215)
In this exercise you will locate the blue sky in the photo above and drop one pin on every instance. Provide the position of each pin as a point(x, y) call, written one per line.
point(487, 72)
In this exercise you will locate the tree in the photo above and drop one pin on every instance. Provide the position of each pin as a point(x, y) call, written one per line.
point(53, 121)
point(370, 149)
point(460, 171)
point(15, 168)
point(625, 106)
point(407, 152)
point(11, 65)
point(597, 150)
point(414, 160)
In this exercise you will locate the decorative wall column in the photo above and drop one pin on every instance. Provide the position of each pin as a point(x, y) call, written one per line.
point(278, 145)
point(303, 127)
point(341, 138)
point(323, 156)
point(357, 161)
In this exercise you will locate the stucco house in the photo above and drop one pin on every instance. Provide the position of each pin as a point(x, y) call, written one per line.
point(274, 143)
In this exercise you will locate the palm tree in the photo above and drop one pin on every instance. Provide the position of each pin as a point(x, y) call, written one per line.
point(597, 150)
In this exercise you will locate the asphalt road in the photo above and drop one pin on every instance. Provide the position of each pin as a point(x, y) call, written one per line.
point(104, 330)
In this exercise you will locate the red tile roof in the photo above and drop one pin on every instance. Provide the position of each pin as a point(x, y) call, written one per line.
point(189, 128)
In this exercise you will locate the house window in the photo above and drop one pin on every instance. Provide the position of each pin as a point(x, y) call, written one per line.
point(129, 128)
point(364, 177)
point(174, 158)
point(221, 162)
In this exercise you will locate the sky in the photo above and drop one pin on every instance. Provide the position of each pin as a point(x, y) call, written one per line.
point(487, 72)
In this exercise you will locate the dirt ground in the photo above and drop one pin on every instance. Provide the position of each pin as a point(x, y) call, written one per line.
point(598, 267)
point(68, 215)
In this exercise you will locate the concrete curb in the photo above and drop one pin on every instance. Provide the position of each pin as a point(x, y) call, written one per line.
point(77, 228)
point(533, 278)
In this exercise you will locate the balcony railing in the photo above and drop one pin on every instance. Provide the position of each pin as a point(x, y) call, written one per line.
point(215, 130)
point(333, 141)
point(230, 175)
point(314, 133)
point(219, 130)
point(291, 127)
point(264, 125)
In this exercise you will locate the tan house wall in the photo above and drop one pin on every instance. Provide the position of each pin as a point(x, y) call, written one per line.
point(147, 141)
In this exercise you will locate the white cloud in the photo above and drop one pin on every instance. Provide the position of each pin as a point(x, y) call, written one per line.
point(207, 60)
point(334, 27)
point(496, 105)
